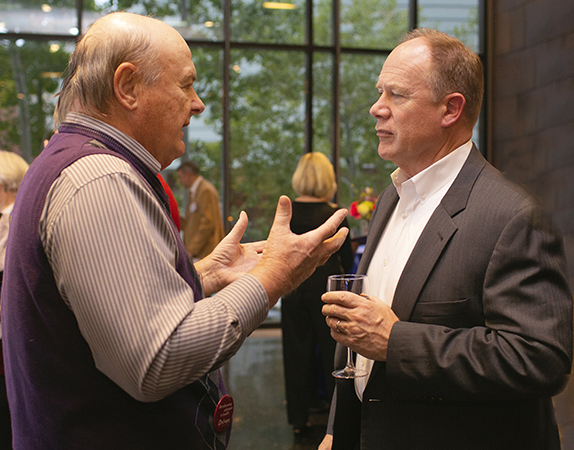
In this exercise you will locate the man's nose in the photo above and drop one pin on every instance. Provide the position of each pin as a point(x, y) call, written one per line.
point(197, 106)
point(380, 108)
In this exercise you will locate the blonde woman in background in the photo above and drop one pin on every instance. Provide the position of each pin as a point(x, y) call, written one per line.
point(12, 170)
point(305, 333)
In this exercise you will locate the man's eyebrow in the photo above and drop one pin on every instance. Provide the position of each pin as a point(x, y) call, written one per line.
point(389, 85)
point(190, 77)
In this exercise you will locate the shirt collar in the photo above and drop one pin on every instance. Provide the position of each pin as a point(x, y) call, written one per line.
point(128, 142)
point(7, 209)
point(434, 177)
point(194, 186)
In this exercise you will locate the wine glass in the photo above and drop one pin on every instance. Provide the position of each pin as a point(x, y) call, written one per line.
point(359, 285)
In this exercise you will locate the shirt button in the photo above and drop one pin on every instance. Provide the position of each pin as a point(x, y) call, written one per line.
point(405, 215)
point(385, 262)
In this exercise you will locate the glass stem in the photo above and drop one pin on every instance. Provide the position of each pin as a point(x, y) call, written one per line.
point(350, 358)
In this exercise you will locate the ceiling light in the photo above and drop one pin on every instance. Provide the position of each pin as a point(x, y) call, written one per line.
point(278, 5)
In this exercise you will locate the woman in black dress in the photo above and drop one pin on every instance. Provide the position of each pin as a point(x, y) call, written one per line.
point(308, 347)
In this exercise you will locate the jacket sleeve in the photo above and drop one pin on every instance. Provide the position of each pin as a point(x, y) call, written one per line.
point(520, 344)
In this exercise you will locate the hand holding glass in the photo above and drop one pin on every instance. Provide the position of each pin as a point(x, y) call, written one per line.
point(359, 285)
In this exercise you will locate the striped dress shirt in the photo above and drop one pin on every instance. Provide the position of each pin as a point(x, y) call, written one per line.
point(113, 252)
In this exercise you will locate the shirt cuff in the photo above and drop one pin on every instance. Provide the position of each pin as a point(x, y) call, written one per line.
point(248, 299)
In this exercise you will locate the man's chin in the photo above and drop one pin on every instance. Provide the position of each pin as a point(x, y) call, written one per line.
point(170, 157)
point(385, 153)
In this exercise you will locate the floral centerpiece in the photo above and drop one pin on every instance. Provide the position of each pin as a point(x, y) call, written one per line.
point(363, 208)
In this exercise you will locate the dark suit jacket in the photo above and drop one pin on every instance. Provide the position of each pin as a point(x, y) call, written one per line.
point(485, 337)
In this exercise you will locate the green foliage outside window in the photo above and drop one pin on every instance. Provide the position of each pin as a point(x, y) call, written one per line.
point(29, 78)
point(267, 93)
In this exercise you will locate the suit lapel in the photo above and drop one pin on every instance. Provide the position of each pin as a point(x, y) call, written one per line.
point(385, 206)
point(437, 233)
point(433, 239)
point(424, 256)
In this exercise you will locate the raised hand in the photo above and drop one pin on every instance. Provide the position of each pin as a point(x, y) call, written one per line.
point(289, 259)
point(230, 259)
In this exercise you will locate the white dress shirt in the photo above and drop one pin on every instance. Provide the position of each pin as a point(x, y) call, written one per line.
point(192, 207)
point(418, 198)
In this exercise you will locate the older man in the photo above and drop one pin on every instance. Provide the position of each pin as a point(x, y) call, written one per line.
point(468, 330)
point(108, 343)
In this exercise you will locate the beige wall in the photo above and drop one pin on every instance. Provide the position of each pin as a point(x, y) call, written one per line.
point(531, 102)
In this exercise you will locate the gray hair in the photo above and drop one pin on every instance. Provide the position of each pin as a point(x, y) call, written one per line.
point(88, 87)
point(12, 170)
point(456, 68)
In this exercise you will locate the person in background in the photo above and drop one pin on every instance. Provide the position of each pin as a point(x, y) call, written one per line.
point(467, 333)
point(202, 225)
point(12, 170)
point(113, 339)
point(303, 326)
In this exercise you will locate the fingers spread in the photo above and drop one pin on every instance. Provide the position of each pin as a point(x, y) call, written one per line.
point(239, 228)
point(333, 244)
point(283, 212)
point(255, 246)
point(329, 228)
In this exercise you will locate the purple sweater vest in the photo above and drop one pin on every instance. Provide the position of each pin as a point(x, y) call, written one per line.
point(58, 399)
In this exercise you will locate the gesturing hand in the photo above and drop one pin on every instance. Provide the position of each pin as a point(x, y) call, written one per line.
point(289, 259)
point(230, 259)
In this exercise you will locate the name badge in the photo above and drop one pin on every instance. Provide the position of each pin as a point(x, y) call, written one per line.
point(223, 413)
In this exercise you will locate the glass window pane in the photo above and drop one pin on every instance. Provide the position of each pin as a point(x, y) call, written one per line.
point(267, 132)
point(373, 23)
point(261, 21)
point(30, 75)
point(203, 136)
point(323, 22)
point(458, 19)
point(323, 103)
point(360, 163)
point(198, 19)
point(47, 17)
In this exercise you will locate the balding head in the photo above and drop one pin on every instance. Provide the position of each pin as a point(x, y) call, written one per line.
point(114, 39)
point(455, 68)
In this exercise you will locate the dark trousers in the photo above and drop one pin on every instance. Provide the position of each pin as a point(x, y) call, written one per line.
point(304, 330)
point(5, 425)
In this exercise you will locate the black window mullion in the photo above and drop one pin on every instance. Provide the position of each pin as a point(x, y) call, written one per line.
point(336, 92)
point(309, 77)
point(226, 131)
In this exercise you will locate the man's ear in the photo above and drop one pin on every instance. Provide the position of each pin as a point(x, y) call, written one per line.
point(125, 85)
point(454, 103)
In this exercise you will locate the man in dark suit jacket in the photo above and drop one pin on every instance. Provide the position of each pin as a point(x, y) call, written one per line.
point(468, 333)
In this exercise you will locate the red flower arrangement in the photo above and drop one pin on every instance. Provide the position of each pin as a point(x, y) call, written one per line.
point(363, 208)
